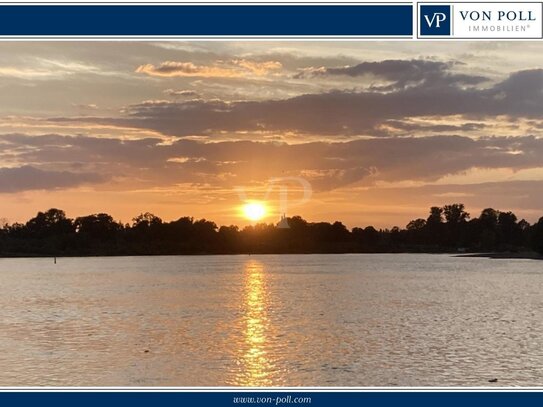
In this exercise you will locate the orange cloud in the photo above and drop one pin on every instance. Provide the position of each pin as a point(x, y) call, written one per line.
point(235, 68)
point(258, 68)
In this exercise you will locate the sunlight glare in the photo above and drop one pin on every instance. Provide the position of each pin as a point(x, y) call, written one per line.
point(254, 210)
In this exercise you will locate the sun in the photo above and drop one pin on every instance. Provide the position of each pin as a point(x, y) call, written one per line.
point(254, 210)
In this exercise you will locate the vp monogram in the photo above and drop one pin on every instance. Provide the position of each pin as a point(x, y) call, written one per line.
point(437, 18)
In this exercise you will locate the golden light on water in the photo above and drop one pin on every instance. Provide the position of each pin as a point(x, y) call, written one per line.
point(254, 210)
point(256, 364)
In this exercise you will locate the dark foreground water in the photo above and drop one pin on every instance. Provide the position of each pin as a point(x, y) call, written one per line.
point(284, 320)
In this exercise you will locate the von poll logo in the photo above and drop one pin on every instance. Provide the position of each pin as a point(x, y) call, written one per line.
point(472, 20)
point(435, 20)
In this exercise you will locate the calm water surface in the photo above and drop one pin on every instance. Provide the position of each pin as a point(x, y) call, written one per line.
point(298, 320)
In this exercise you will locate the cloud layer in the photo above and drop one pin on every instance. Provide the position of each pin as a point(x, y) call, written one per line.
point(341, 112)
point(326, 165)
point(27, 178)
point(372, 124)
point(236, 68)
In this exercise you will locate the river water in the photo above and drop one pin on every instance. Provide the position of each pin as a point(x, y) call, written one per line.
point(271, 320)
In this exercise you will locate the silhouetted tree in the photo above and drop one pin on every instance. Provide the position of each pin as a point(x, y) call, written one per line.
point(447, 228)
point(52, 222)
point(367, 239)
point(416, 225)
point(455, 213)
point(537, 236)
point(100, 226)
point(146, 220)
point(436, 216)
point(434, 226)
point(487, 229)
point(509, 232)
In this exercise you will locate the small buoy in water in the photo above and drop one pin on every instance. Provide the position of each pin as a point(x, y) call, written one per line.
point(146, 351)
point(493, 381)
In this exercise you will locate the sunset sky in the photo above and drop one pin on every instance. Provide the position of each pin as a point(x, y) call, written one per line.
point(380, 130)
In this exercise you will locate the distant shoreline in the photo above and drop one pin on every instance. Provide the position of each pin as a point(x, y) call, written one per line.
point(505, 255)
point(496, 255)
point(448, 229)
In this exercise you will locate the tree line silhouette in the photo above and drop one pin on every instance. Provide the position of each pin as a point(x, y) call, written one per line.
point(447, 229)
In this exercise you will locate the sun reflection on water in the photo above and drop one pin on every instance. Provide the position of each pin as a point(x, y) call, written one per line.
point(257, 367)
